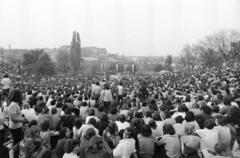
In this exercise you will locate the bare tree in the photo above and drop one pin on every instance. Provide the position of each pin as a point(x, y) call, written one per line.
point(189, 57)
point(223, 42)
point(208, 54)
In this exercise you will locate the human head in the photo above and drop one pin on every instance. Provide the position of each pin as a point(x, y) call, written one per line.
point(26, 105)
point(187, 98)
point(95, 144)
point(122, 118)
point(195, 106)
point(148, 114)
point(112, 128)
point(215, 109)
point(167, 114)
point(189, 116)
point(179, 119)
point(91, 112)
point(67, 111)
point(221, 148)
point(146, 131)
point(168, 129)
point(156, 117)
point(227, 102)
point(200, 98)
point(5, 76)
point(54, 111)
point(100, 108)
point(89, 133)
point(64, 132)
point(220, 120)
point(92, 121)
point(45, 125)
point(209, 123)
point(53, 102)
point(128, 133)
point(152, 124)
point(181, 108)
point(32, 123)
point(113, 111)
point(33, 131)
point(104, 117)
point(45, 110)
point(137, 123)
point(72, 146)
point(15, 96)
point(206, 109)
point(59, 105)
point(78, 123)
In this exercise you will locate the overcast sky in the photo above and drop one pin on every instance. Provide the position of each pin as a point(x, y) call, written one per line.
point(129, 27)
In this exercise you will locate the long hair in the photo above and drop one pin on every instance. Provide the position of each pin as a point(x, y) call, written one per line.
point(95, 144)
point(71, 145)
point(15, 96)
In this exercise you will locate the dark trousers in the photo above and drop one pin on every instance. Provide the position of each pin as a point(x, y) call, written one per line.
point(17, 135)
point(107, 107)
point(53, 142)
point(160, 151)
point(2, 138)
point(120, 98)
point(47, 154)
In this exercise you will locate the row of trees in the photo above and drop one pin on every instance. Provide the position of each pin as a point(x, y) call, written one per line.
point(39, 63)
point(212, 51)
point(166, 66)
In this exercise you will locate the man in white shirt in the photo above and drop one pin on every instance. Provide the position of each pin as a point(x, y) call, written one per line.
point(126, 146)
point(96, 91)
point(120, 91)
point(6, 83)
point(122, 124)
point(209, 137)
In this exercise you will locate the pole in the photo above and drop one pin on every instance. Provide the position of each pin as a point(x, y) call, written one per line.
point(2, 61)
point(19, 68)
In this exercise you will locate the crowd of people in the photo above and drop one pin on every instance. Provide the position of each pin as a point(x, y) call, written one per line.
point(177, 115)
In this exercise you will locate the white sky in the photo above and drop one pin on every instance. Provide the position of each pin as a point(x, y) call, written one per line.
point(129, 27)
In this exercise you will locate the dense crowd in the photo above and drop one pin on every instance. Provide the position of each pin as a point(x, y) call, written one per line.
point(172, 116)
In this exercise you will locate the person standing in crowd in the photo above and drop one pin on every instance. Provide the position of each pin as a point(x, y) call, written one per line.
point(2, 130)
point(120, 92)
point(15, 117)
point(6, 84)
point(106, 98)
point(96, 91)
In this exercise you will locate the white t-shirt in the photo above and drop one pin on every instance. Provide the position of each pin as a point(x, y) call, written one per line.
point(123, 125)
point(29, 114)
point(125, 148)
point(70, 155)
point(224, 134)
point(120, 90)
point(208, 138)
point(14, 109)
point(160, 125)
point(89, 117)
point(6, 83)
point(1, 117)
